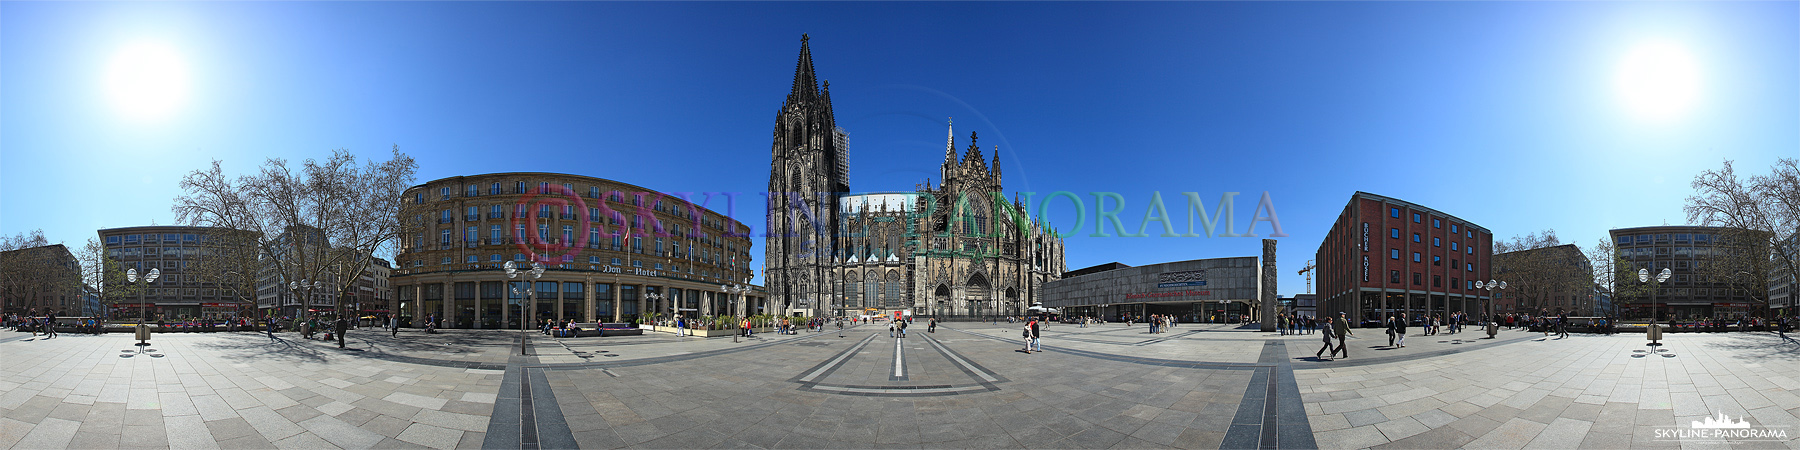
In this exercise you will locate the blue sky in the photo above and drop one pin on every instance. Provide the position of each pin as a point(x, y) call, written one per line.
point(1507, 114)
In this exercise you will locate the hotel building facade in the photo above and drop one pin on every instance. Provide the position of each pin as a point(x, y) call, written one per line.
point(1388, 256)
point(611, 252)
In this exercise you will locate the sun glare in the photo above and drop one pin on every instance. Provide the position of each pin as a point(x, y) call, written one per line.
point(147, 81)
point(1659, 81)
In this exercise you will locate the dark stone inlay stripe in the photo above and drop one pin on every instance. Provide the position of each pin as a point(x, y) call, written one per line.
point(552, 429)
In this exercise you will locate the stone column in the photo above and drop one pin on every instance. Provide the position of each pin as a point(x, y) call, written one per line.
point(613, 294)
point(479, 307)
point(418, 304)
point(587, 312)
point(1269, 299)
point(449, 304)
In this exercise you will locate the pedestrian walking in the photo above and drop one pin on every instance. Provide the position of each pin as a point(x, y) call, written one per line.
point(1341, 328)
point(1400, 331)
point(931, 327)
point(903, 329)
point(1321, 353)
point(50, 325)
point(1034, 344)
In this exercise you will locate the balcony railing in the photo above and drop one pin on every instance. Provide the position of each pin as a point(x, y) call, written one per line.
point(496, 215)
point(471, 217)
point(567, 216)
point(443, 246)
point(446, 220)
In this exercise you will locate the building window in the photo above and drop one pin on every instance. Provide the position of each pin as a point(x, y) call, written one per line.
point(1437, 281)
point(637, 263)
point(615, 261)
point(1417, 257)
point(568, 234)
point(1454, 263)
point(593, 260)
point(1469, 233)
point(474, 259)
point(1437, 260)
point(444, 193)
point(1394, 233)
point(1416, 218)
point(446, 260)
point(1437, 242)
point(1453, 229)
point(1417, 238)
point(519, 257)
point(494, 258)
point(1394, 276)
point(1453, 247)
point(1471, 266)
point(494, 235)
point(1394, 253)
point(495, 189)
point(474, 191)
point(1418, 279)
point(112, 240)
point(1394, 212)
point(1454, 281)
point(1437, 223)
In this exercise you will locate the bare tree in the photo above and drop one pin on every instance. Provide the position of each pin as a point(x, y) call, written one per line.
point(231, 262)
point(1768, 205)
point(29, 279)
point(106, 275)
point(325, 221)
point(1615, 273)
point(1541, 271)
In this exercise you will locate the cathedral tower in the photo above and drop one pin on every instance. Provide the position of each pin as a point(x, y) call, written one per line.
point(808, 173)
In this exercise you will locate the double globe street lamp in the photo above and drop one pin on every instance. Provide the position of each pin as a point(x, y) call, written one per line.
point(737, 305)
point(528, 310)
point(1493, 325)
point(131, 276)
point(1653, 333)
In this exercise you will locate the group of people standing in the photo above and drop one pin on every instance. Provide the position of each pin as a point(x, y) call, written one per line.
point(1295, 324)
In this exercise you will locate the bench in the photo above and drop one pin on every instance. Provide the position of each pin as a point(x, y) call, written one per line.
point(620, 329)
point(587, 329)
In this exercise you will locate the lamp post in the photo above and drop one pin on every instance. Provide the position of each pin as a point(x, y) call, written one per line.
point(529, 308)
point(296, 286)
point(1493, 325)
point(737, 305)
point(130, 276)
point(1653, 333)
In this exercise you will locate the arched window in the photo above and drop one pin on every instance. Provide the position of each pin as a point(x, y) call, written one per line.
point(893, 289)
point(853, 292)
point(872, 288)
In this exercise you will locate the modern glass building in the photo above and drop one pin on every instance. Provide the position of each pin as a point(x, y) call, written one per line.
point(1697, 288)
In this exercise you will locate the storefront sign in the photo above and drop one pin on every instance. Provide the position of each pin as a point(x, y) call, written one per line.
point(1365, 238)
point(1181, 279)
point(1166, 294)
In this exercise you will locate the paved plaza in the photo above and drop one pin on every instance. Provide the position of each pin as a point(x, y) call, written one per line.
point(966, 386)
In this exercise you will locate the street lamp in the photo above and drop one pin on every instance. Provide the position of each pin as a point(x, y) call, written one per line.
point(131, 276)
point(1644, 277)
point(529, 309)
point(1493, 325)
point(737, 305)
point(296, 286)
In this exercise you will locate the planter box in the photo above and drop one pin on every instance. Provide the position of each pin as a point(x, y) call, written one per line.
point(704, 333)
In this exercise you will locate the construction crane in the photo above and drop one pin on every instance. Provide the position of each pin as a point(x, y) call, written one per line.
point(1308, 272)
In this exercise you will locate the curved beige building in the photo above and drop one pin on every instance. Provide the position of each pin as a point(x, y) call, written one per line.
point(611, 251)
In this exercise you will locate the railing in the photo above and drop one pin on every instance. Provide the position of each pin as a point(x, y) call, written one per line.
point(566, 216)
point(471, 217)
point(496, 215)
point(446, 220)
point(443, 246)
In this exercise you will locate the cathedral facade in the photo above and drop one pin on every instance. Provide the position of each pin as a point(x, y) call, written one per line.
point(959, 248)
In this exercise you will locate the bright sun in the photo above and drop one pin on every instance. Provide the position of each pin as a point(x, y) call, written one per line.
point(147, 81)
point(1659, 81)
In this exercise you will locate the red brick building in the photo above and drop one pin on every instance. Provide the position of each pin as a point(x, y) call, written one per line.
point(1388, 256)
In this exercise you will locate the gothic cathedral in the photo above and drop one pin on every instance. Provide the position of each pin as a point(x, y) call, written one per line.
point(958, 249)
